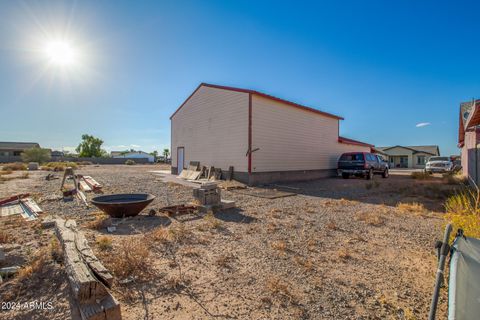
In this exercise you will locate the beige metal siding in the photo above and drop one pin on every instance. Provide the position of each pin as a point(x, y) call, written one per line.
point(212, 126)
point(289, 138)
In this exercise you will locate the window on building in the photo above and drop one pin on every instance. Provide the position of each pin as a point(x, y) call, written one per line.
point(17, 153)
point(421, 160)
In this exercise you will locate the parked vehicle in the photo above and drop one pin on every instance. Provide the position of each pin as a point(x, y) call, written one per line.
point(438, 164)
point(361, 164)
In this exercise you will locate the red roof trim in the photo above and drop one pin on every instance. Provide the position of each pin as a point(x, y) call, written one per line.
point(354, 142)
point(293, 104)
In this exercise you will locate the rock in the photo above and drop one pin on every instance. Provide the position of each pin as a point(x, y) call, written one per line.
point(33, 166)
point(111, 229)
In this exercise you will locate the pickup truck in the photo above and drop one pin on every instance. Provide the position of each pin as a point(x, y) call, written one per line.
point(362, 164)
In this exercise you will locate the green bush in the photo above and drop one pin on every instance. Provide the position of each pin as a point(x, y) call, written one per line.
point(130, 162)
point(36, 155)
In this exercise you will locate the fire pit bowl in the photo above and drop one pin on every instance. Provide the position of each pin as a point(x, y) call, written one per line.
point(123, 205)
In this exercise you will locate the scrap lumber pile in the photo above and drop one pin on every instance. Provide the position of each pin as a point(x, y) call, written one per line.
point(20, 204)
point(88, 278)
point(197, 173)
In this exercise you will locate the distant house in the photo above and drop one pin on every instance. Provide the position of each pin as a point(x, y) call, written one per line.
point(469, 139)
point(56, 153)
point(15, 149)
point(132, 155)
point(408, 156)
point(264, 138)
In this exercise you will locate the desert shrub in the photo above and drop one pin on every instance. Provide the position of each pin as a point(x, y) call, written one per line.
point(17, 166)
point(130, 259)
point(36, 155)
point(281, 289)
point(463, 211)
point(5, 172)
point(279, 245)
point(454, 178)
point(413, 207)
point(130, 162)
point(58, 166)
point(104, 243)
point(421, 175)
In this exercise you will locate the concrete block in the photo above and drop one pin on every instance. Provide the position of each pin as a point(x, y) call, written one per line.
point(228, 204)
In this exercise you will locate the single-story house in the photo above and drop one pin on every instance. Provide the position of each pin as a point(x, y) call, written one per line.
point(133, 155)
point(469, 139)
point(15, 149)
point(264, 138)
point(408, 156)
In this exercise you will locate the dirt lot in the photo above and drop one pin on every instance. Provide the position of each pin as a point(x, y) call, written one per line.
point(339, 249)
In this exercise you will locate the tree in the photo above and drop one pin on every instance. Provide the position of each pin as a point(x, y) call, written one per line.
point(36, 155)
point(154, 154)
point(90, 147)
point(166, 153)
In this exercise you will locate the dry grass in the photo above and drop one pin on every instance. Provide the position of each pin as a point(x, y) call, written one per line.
point(56, 251)
point(454, 178)
point(373, 184)
point(463, 211)
point(306, 263)
point(17, 166)
point(413, 207)
point(5, 172)
point(276, 287)
point(101, 221)
point(211, 221)
point(331, 225)
point(176, 234)
point(104, 243)
point(344, 254)
point(5, 237)
point(58, 166)
point(131, 258)
point(224, 261)
point(420, 175)
point(162, 235)
point(279, 245)
point(371, 218)
point(35, 266)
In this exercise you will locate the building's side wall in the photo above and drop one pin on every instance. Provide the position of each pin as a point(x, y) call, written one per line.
point(291, 139)
point(470, 156)
point(212, 126)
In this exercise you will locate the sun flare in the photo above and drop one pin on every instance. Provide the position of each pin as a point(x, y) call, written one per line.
point(60, 53)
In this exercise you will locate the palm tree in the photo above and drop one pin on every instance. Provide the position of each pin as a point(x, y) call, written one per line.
point(166, 153)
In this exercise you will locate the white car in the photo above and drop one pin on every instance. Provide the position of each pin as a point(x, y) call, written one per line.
point(438, 164)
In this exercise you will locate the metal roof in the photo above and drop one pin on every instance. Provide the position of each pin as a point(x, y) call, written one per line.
point(18, 145)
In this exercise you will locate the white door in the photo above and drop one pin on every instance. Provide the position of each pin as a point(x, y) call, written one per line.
point(180, 159)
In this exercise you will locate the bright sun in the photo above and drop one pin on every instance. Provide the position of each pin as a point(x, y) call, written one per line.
point(60, 53)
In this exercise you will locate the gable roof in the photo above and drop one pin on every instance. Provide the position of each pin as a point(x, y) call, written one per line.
point(18, 145)
point(264, 95)
point(432, 150)
point(354, 142)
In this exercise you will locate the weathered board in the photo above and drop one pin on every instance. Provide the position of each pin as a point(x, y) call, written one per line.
point(88, 278)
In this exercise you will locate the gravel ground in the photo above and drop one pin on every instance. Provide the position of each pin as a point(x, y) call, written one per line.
point(340, 249)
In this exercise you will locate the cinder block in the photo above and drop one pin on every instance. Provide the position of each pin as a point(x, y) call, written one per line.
point(228, 204)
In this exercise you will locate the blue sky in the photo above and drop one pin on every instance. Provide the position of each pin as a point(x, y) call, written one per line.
point(385, 66)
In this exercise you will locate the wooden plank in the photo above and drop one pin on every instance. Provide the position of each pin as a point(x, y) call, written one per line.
point(84, 186)
point(92, 183)
point(32, 205)
point(13, 198)
point(10, 210)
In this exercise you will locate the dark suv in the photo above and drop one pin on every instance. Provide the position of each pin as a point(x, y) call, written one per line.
point(362, 164)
